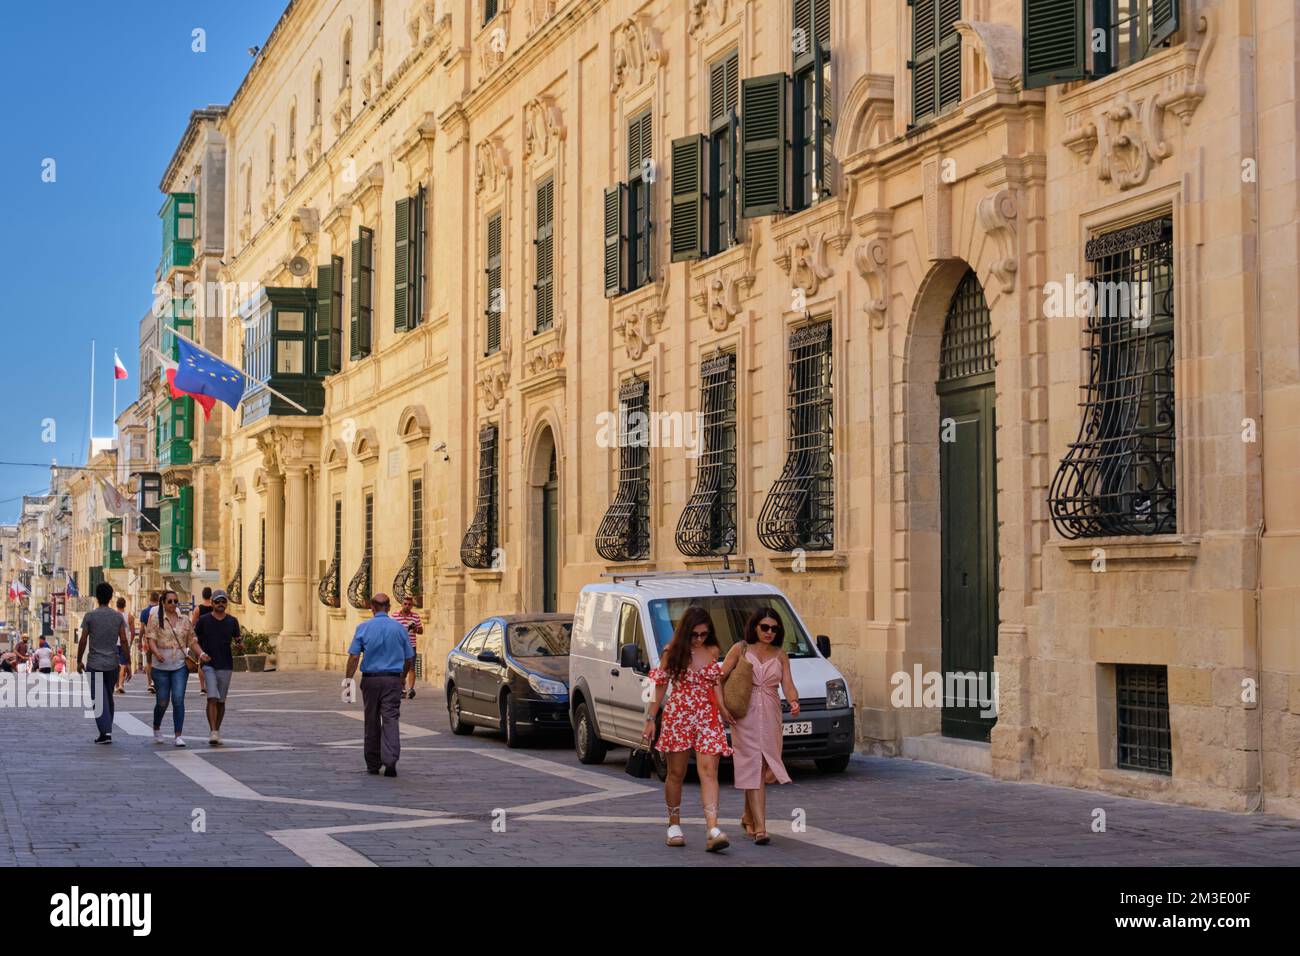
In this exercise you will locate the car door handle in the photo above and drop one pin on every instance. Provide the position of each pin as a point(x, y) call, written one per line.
point(614, 672)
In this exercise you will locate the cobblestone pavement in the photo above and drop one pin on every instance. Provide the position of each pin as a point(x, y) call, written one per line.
point(290, 789)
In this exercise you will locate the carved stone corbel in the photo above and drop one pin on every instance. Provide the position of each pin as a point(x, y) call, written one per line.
point(543, 125)
point(636, 47)
point(491, 165)
point(996, 214)
point(707, 13)
point(872, 260)
point(805, 261)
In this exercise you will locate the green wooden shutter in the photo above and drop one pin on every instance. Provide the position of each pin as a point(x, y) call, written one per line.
point(336, 313)
point(821, 23)
point(419, 248)
point(544, 250)
point(1164, 20)
point(401, 265)
point(355, 328)
point(924, 60)
point(686, 227)
point(324, 321)
point(1055, 42)
point(764, 144)
point(949, 70)
point(494, 292)
point(615, 240)
point(822, 118)
point(367, 288)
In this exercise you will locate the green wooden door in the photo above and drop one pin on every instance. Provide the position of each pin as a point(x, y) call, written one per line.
point(968, 517)
point(550, 539)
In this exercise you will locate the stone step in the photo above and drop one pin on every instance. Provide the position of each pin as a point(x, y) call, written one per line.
point(973, 755)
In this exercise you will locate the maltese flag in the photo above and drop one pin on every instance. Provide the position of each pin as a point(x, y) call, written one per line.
point(119, 370)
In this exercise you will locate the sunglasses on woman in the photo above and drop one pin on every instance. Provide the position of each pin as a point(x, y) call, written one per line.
point(769, 628)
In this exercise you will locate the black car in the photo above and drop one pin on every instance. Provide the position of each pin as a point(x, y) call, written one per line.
point(510, 673)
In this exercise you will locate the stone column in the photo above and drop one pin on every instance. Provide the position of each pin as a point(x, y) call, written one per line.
point(297, 604)
point(274, 552)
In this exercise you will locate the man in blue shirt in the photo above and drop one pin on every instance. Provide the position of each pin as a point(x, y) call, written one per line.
point(386, 648)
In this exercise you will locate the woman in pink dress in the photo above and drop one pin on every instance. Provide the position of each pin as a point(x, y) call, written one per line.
point(686, 688)
point(756, 737)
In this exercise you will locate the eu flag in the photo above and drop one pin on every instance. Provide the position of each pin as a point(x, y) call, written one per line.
point(199, 373)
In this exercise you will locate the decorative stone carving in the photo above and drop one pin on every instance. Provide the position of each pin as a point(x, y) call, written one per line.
point(372, 76)
point(549, 354)
point(707, 14)
point(1128, 132)
point(536, 13)
point(639, 322)
point(304, 226)
point(1001, 45)
point(721, 291)
point(341, 115)
point(543, 125)
point(872, 260)
point(494, 42)
point(492, 385)
point(491, 165)
point(997, 217)
point(365, 446)
point(636, 47)
point(805, 262)
point(867, 118)
point(313, 144)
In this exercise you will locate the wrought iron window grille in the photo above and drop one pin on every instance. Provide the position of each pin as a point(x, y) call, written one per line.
point(708, 522)
point(799, 511)
point(257, 587)
point(624, 532)
point(967, 346)
point(361, 587)
point(407, 583)
point(480, 541)
point(1142, 718)
point(1118, 476)
point(330, 587)
point(235, 588)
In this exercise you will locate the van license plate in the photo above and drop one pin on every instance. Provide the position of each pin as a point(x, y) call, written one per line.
point(799, 728)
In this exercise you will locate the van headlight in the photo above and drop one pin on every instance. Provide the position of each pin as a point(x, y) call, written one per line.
point(837, 694)
point(551, 688)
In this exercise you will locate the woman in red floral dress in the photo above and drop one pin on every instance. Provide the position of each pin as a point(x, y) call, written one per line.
point(693, 716)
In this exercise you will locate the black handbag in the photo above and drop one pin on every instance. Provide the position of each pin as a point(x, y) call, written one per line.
point(640, 762)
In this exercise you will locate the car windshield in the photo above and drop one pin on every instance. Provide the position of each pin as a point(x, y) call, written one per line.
point(729, 613)
point(540, 638)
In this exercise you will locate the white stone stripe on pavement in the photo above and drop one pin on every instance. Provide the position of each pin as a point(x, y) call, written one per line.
point(316, 846)
point(850, 846)
point(408, 730)
point(588, 778)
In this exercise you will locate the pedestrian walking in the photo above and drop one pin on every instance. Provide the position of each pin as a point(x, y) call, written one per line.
point(21, 659)
point(756, 737)
point(169, 635)
point(9, 661)
point(60, 661)
point(102, 632)
point(216, 633)
point(686, 690)
point(43, 657)
point(383, 649)
point(123, 656)
point(201, 608)
point(154, 597)
point(407, 617)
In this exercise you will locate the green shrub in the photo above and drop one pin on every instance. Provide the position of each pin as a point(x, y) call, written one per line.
point(254, 642)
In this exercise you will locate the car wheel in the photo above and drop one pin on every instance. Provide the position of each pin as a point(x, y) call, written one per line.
point(455, 717)
point(509, 727)
point(832, 764)
point(589, 747)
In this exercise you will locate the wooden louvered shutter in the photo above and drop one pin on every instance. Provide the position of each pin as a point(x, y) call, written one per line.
point(1164, 20)
point(949, 54)
point(324, 320)
point(544, 287)
point(336, 312)
point(492, 276)
point(401, 265)
point(354, 341)
point(615, 240)
point(419, 250)
point(924, 60)
point(686, 227)
point(364, 283)
point(1054, 44)
point(764, 144)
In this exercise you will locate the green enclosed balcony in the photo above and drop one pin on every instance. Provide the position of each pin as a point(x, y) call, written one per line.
point(113, 544)
point(175, 430)
point(179, 315)
point(177, 527)
point(178, 221)
point(279, 349)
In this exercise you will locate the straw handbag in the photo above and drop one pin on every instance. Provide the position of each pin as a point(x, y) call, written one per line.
point(739, 687)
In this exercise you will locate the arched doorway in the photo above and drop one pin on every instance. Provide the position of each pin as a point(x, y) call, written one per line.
point(968, 514)
point(544, 524)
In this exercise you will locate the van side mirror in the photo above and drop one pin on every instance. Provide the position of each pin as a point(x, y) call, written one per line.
point(824, 645)
point(629, 656)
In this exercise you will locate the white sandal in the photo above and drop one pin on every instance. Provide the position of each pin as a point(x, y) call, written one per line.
point(675, 835)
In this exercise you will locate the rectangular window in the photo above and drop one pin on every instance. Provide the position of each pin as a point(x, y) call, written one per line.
point(936, 58)
point(363, 277)
point(812, 103)
point(489, 10)
point(338, 531)
point(708, 522)
point(724, 101)
point(641, 177)
point(370, 527)
point(478, 547)
point(1060, 36)
point(329, 317)
point(799, 509)
point(544, 246)
point(1142, 718)
point(1118, 477)
point(417, 513)
point(408, 262)
point(624, 532)
point(494, 294)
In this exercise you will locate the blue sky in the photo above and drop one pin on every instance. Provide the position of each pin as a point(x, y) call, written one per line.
point(105, 90)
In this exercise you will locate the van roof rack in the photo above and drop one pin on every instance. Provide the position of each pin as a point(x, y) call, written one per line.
point(727, 571)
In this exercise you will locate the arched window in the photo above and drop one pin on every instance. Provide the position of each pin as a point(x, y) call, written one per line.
point(270, 160)
point(347, 59)
point(293, 130)
point(967, 348)
point(377, 22)
point(315, 94)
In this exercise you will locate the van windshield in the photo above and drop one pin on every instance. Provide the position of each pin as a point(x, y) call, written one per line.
point(730, 612)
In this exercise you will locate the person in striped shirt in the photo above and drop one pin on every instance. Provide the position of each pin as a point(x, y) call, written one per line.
point(414, 628)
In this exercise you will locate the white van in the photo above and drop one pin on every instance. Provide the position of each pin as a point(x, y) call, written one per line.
point(610, 656)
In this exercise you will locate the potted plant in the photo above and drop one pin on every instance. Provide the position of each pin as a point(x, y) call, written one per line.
point(252, 650)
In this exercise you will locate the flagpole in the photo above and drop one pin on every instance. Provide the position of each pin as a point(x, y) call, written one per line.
point(114, 395)
point(247, 377)
point(91, 428)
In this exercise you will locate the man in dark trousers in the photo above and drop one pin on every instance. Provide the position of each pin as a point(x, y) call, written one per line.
point(103, 632)
point(386, 648)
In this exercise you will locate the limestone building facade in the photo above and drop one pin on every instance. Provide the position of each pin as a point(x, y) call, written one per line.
point(971, 322)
